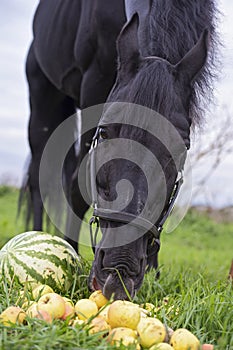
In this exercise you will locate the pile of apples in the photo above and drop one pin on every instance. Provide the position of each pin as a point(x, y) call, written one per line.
point(120, 321)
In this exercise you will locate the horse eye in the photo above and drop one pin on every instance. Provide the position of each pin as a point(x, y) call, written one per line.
point(103, 133)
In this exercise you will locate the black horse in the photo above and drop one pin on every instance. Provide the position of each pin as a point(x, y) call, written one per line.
point(152, 53)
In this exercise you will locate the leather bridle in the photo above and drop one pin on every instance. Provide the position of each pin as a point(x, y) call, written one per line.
point(122, 217)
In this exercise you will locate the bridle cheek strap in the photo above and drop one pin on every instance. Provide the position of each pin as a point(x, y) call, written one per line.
point(122, 217)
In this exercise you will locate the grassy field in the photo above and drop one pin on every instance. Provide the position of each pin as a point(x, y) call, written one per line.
point(194, 265)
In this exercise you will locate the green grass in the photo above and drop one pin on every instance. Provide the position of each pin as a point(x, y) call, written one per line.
point(200, 242)
point(9, 225)
point(194, 265)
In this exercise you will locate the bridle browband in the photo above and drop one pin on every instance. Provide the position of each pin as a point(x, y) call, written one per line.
point(122, 217)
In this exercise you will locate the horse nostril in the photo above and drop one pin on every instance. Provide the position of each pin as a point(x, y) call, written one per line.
point(113, 287)
point(101, 259)
point(106, 193)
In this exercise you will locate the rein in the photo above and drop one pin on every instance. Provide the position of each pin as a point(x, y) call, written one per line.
point(122, 217)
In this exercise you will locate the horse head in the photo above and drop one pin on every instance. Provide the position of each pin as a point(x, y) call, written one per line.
point(140, 148)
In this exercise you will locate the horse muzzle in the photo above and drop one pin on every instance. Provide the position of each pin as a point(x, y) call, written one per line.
point(114, 287)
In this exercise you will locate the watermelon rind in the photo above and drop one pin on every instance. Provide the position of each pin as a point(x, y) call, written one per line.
point(38, 257)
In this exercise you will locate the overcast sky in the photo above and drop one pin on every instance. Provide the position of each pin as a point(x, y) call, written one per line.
point(15, 36)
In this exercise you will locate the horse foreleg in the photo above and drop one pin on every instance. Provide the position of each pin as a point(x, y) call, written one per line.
point(79, 203)
point(152, 256)
point(37, 210)
point(49, 108)
point(96, 85)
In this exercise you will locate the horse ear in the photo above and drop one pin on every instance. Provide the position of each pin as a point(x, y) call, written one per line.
point(194, 60)
point(128, 46)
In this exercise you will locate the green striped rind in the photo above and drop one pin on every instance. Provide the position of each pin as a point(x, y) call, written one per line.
point(40, 257)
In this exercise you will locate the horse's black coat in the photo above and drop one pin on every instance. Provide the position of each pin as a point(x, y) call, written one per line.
point(73, 54)
point(162, 64)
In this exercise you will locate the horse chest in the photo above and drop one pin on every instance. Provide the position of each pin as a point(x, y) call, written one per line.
point(70, 36)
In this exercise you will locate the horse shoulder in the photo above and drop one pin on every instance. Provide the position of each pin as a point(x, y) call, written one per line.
point(55, 29)
point(99, 28)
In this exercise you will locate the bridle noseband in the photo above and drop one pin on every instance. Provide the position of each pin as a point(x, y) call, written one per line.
point(153, 230)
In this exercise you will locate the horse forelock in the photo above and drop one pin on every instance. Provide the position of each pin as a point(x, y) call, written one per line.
point(174, 28)
point(153, 88)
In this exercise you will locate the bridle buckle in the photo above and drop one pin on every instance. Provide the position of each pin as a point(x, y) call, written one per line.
point(94, 220)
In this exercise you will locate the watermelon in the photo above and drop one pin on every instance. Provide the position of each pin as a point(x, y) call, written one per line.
point(39, 258)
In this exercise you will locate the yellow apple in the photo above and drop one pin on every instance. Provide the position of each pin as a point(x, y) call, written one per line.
point(151, 331)
point(69, 309)
point(40, 290)
point(122, 313)
point(27, 304)
point(98, 324)
point(43, 315)
point(68, 301)
point(103, 312)
point(118, 334)
point(12, 315)
point(131, 340)
point(182, 339)
point(53, 303)
point(32, 310)
point(161, 346)
point(85, 308)
point(98, 298)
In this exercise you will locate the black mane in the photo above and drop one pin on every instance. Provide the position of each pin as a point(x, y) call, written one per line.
point(162, 93)
point(175, 26)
